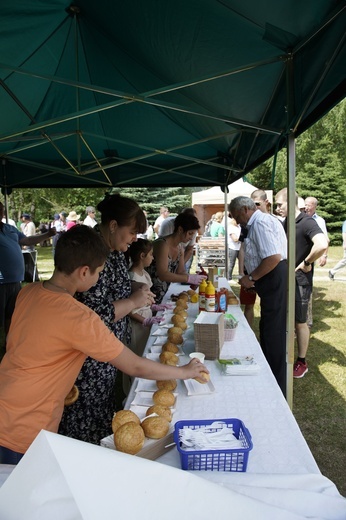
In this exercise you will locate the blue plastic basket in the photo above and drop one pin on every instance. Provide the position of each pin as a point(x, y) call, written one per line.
point(214, 460)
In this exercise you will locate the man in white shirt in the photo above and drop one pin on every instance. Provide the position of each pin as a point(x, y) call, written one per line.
point(90, 218)
point(265, 254)
point(164, 212)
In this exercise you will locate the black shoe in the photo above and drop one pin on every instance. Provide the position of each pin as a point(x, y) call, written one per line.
point(331, 276)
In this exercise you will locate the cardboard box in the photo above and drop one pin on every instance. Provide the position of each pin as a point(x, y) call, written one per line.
point(209, 334)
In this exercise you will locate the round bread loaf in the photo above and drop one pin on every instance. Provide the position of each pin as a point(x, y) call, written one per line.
point(72, 396)
point(176, 338)
point(177, 319)
point(170, 385)
point(122, 417)
point(184, 296)
point(164, 397)
point(155, 427)
point(181, 303)
point(191, 292)
point(129, 438)
point(162, 411)
point(203, 378)
point(168, 346)
point(179, 310)
point(168, 358)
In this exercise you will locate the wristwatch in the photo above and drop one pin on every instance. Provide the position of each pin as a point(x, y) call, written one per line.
point(306, 263)
point(251, 279)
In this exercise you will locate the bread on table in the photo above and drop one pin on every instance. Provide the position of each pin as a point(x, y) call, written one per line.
point(160, 410)
point(168, 358)
point(155, 427)
point(168, 346)
point(164, 397)
point(129, 438)
point(169, 384)
point(124, 416)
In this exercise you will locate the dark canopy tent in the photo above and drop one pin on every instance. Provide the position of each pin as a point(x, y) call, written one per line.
point(161, 93)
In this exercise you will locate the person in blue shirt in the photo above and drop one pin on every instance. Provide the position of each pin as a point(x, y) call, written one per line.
point(12, 268)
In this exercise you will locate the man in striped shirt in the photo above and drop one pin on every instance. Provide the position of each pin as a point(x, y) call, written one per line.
point(265, 258)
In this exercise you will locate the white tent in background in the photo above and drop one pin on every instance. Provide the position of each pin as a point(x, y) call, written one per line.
point(207, 202)
point(215, 196)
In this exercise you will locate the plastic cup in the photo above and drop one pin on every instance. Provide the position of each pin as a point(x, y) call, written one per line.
point(198, 355)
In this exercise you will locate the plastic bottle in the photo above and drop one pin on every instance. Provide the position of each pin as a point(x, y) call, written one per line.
point(210, 297)
point(201, 297)
point(202, 270)
point(221, 300)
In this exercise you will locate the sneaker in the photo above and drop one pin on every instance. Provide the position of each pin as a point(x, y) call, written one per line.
point(300, 369)
point(330, 274)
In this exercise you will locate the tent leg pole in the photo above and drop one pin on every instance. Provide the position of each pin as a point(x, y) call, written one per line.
point(291, 230)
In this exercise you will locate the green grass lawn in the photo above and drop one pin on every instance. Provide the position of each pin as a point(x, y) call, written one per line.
point(319, 398)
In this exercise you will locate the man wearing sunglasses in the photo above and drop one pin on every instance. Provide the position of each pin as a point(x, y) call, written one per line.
point(311, 243)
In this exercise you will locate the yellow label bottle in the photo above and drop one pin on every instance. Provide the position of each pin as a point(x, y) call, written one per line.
point(201, 297)
point(210, 297)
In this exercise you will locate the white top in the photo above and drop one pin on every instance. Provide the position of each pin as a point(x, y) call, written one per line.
point(321, 223)
point(233, 230)
point(266, 237)
point(88, 221)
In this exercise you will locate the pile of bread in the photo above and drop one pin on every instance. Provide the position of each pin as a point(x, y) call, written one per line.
point(170, 348)
point(130, 432)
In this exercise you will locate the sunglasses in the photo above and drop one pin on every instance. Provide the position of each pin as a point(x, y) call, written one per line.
point(257, 204)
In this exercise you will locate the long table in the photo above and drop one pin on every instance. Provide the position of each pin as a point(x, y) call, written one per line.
point(278, 444)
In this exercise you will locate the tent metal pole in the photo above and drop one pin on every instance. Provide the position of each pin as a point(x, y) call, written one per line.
point(226, 232)
point(291, 234)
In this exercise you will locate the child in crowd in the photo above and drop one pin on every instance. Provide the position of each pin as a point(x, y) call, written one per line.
point(44, 355)
point(141, 256)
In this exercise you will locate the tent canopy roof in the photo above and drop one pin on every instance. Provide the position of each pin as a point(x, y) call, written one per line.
point(172, 93)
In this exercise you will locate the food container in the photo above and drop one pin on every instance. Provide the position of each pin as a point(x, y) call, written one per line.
point(230, 324)
point(209, 334)
point(215, 460)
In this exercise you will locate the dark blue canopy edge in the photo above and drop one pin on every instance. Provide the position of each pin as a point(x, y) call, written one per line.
point(161, 93)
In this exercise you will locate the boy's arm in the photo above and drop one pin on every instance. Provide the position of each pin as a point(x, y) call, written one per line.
point(136, 366)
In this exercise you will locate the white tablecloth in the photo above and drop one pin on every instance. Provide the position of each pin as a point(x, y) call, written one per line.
point(279, 446)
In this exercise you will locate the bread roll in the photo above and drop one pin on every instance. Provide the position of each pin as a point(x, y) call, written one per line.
point(161, 410)
point(177, 319)
point(168, 346)
point(176, 338)
point(155, 427)
point(129, 438)
point(122, 417)
point(203, 378)
point(191, 292)
point(72, 396)
point(164, 397)
point(181, 303)
point(179, 310)
point(184, 296)
point(168, 358)
point(170, 385)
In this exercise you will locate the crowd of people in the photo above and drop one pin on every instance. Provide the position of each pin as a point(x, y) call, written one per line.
point(110, 278)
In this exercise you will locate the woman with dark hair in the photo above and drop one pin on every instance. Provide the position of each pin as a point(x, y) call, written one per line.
point(112, 298)
point(169, 265)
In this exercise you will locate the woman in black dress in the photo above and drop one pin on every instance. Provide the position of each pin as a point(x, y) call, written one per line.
point(89, 418)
